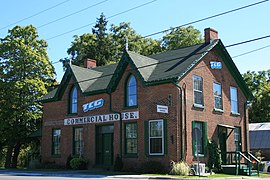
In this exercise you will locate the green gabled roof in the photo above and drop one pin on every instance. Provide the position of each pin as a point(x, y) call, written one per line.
point(175, 64)
point(167, 67)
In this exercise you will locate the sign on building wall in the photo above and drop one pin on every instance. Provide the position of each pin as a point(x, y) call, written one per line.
point(93, 105)
point(215, 65)
point(162, 109)
point(101, 118)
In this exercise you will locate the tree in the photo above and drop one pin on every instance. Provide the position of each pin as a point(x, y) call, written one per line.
point(95, 46)
point(25, 75)
point(259, 84)
point(106, 46)
point(182, 37)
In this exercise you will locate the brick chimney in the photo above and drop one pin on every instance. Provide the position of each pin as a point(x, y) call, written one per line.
point(210, 34)
point(90, 63)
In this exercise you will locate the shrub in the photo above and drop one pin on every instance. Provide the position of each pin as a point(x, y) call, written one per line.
point(180, 168)
point(214, 160)
point(68, 162)
point(153, 167)
point(78, 163)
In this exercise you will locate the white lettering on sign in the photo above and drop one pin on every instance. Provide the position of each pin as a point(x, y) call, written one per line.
point(162, 109)
point(93, 105)
point(215, 65)
point(101, 118)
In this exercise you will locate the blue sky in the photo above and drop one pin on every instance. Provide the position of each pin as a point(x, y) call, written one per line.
point(249, 23)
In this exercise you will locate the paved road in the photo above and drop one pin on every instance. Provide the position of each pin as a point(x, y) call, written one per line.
point(69, 175)
point(65, 175)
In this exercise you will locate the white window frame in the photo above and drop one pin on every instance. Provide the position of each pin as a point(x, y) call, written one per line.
point(196, 90)
point(220, 97)
point(162, 136)
point(237, 108)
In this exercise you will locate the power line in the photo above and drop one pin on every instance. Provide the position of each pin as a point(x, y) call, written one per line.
point(79, 11)
point(258, 49)
point(38, 13)
point(248, 41)
point(206, 18)
point(117, 14)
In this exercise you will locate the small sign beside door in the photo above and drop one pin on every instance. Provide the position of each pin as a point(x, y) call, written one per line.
point(162, 109)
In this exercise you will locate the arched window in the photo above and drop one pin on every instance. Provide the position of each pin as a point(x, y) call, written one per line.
point(73, 100)
point(131, 95)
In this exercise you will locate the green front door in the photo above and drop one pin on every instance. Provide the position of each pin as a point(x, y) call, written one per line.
point(107, 141)
point(104, 145)
point(223, 146)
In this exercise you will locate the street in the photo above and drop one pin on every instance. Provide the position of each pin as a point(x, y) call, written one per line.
point(62, 175)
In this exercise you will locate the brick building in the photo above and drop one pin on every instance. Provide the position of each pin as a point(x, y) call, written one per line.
point(158, 108)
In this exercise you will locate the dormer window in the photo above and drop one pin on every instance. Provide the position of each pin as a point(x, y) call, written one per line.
point(73, 100)
point(131, 92)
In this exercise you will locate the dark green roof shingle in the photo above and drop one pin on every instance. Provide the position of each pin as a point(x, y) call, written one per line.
point(167, 66)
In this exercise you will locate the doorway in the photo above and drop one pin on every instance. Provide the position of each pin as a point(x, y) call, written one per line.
point(223, 145)
point(104, 145)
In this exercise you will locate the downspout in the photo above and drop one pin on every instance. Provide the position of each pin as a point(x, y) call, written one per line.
point(245, 126)
point(181, 122)
point(185, 118)
point(120, 127)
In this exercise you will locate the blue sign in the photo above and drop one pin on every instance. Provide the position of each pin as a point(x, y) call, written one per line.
point(93, 105)
point(215, 65)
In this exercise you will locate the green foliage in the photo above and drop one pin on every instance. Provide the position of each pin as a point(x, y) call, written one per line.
point(25, 73)
point(107, 45)
point(181, 37)
point(259, 84)
point(214, 160)
point(68, 162)
point(78, 163)
point(180, 168)
point(153, 167)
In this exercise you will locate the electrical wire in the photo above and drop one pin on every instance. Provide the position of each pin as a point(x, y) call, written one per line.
point(71, 14)
point(36, 14)
point(258, 49)
point(248, 41)
point(206, 18)
point(117, 14)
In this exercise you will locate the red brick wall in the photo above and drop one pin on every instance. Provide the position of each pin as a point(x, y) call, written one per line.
point(207, 114)
point(148, 98)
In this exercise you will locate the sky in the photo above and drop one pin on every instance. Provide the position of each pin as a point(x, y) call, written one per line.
point(53, 18)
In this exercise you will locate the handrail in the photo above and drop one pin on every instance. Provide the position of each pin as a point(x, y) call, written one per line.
point(253, 157)
point(245, 157)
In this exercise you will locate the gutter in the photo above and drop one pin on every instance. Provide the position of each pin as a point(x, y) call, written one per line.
point(182, 122)
point(245, 126)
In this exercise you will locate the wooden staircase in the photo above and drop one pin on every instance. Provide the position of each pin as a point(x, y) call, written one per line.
point(240, 164)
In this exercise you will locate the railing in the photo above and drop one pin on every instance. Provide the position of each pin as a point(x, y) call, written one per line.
point(251, 156)
point(237, 157)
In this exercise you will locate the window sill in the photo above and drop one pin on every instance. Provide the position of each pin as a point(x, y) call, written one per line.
point(130, 107)
point(56, 156)
point(131, 156)
point(198, 106)
point(235, 114)
point(72, 114)
point(218, 110)
point(199, 155)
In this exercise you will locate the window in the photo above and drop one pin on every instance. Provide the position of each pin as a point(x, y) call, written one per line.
point(234, 101)
point(78, 141)
point(199, 137)
point(198, 90)
point(156, 137)
point(131, 92)
point(73, 100)
point(131, 138)
point(56, 134)
point(217, 96)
